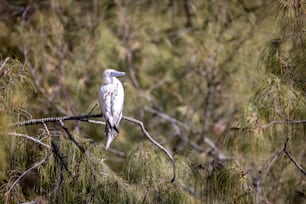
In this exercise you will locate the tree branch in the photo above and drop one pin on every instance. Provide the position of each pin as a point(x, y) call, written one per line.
point(154, 142)
point(59, 156)
point(260, 180)
point(28, 137)
point(3, 63)
point(292, 158)
point(71, 137)
point(84, 118)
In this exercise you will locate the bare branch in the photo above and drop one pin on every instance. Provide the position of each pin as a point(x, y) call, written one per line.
point(47, 129)
point(215, 148)
point(260, 180)
point(185, 138)
point(71, 137)
point(29, 138)
point(59, 156)
point(292, 158)
point(93, 108)
point(113, 151)
point(3, 63)
point(154, 142)
point(167, 118)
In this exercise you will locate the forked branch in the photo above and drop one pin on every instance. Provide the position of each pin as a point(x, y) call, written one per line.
point(292, 158)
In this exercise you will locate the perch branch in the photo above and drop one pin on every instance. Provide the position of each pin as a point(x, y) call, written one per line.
point(84, 118)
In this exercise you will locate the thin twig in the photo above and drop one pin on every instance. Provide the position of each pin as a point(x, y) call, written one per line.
point(93, 108)
point(59, 156)
point(260, 180)
point(185, 138)
point(71, 137)
point(214, 147)
point(292, 158)
point(29, 138)
point(114, 151)
point(167, 117)
point(47, 129)
point(282, 122)
point(154, 142)
point(56, 150)
point(3, 63)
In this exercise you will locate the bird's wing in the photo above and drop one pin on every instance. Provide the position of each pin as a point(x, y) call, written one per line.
point(106, 102)
point(117, 103)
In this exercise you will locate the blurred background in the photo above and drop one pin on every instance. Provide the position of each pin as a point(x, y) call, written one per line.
point(205, 77)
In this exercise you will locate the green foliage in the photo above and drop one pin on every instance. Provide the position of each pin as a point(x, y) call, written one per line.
point(91, 179)
point(14, 83)
point(146, 166)
point(228, 183)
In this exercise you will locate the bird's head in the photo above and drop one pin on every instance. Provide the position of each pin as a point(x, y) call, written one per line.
point(110, 73)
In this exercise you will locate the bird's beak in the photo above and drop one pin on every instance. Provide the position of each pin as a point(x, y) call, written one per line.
point(117, 74)
point(108, 142)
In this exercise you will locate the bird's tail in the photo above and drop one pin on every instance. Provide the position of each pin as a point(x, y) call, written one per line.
point(111, 134)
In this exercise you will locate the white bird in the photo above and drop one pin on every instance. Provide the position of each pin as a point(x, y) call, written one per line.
point(111, 98)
